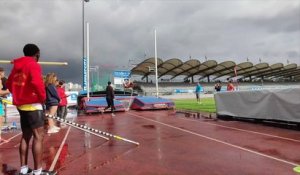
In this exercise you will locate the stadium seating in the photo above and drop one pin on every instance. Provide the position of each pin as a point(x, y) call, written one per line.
point(168, 88)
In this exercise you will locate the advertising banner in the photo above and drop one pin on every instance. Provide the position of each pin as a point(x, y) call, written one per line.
point(119, 78)
point(122, 74)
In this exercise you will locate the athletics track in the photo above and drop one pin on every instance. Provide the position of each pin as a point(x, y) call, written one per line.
point(170, 143)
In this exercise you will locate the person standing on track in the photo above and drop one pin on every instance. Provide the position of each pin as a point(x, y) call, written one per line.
point(52, 101)
point(62, 110)
point(230, 86)
point(3, 93)
point(218, 86)
point(110, 95)
point(26, 85)
point(198, 90)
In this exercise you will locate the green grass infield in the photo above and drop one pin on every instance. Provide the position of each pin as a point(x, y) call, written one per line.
point(206, 105)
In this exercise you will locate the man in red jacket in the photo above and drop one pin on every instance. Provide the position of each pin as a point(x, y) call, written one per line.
point(26, 85)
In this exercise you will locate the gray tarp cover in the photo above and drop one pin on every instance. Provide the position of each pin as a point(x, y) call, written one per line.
point(275, 104)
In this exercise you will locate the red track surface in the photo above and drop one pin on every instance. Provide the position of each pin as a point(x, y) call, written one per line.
point(169, 144)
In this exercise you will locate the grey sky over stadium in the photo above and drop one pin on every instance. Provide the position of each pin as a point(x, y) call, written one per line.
point(121, 30)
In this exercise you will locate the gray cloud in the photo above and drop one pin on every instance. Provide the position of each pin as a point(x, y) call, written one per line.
point(123, 30)
point(285, 21)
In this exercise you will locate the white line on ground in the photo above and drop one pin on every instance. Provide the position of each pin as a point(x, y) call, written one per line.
point(219, 141)
point(59, 150)
point(244, 130)
point(11, 138)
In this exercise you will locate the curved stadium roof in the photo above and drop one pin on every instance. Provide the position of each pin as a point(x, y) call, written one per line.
point(175, 67)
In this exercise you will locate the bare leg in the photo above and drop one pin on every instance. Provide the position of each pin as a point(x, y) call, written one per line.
point(37, 147)
point(1, 123)
point(50, 123)
point(24, 145)
point(52, 111)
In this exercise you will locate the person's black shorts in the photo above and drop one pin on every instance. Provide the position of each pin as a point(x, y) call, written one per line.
point(32, 119)
point(197, 95)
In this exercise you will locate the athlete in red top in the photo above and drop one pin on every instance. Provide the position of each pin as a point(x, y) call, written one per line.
point(230, 86)
point(62, 106)
point(27, 87)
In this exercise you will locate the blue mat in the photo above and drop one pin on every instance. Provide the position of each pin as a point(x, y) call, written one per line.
point(151, 99)
point(101, 102)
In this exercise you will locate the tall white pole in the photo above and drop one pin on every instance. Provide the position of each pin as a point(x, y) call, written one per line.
point(88, 58)
point(156, 79)
point(83, 32)
point(84, 61)
point(84, 71)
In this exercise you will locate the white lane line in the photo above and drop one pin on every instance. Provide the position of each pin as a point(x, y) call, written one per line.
point(8, 140)
point(219, 141)
point(244, 130)
point(59, 150)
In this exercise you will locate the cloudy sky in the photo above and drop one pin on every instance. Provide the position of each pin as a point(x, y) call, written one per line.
point(123, 30)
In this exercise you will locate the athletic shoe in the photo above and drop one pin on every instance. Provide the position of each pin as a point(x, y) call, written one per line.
point(101, 110)
point(113, 115)
point(28, 172)
point(52, 130)
point(45, 172)
point(57, 128)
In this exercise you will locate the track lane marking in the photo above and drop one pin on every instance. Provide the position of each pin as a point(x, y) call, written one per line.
point(244, 130)
point(219, 141)
point(59, 150)
point(8, 140)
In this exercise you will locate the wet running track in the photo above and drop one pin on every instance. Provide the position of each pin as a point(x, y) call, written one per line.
point(170, 143)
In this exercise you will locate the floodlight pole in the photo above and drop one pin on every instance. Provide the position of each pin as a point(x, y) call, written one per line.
point(88, 59)
point(156, 79)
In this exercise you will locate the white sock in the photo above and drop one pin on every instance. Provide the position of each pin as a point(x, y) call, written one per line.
point(24, 169)
point(37, 172)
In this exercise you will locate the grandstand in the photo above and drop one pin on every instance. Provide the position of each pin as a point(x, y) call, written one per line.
point(171, 88)
point(176, 76)
point(212, 70)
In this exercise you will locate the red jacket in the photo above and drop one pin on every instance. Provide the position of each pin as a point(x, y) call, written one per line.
point(25, 82)
point(230, 87)
point(62, 95)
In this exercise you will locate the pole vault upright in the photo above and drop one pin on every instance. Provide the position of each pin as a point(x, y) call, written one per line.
point(88, 59)
point(156, 79)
